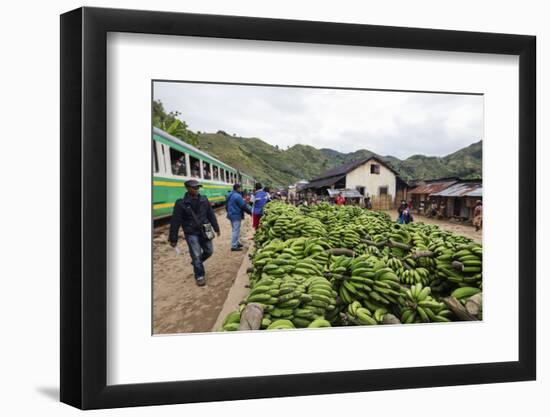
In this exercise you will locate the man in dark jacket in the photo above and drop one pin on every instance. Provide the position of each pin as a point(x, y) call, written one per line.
point(236, 207)
point(200, 248)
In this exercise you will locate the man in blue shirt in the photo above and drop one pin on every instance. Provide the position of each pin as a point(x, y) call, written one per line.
point(261, 197)
point(236, 207)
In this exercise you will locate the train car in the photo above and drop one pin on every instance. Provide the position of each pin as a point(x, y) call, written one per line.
point(175, 162)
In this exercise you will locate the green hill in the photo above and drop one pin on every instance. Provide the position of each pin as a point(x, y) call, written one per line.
point(277, 167)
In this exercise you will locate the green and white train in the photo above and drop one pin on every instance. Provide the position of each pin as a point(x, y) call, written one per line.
point(175, 162)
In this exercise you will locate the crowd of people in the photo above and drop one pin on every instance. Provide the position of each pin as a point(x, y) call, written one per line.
point(194, 214)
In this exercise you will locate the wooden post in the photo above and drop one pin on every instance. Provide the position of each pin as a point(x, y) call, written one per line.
point(458, 309)
point(251, 317)
point(390, 319)
point(474, 304)
point(459, 266)
point(389, 243)
point(340, 251)
point(423, 254)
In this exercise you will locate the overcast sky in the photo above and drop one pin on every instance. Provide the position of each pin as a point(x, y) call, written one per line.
point(388, 123)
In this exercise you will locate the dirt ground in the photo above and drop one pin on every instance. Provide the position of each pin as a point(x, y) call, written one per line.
point(458, 228)
point(179, 305)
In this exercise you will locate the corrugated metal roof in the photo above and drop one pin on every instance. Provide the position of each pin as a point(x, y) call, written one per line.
point(351, 193)
point(461, 189)
point(431, 188)
point(478, 192)
point(323, 182)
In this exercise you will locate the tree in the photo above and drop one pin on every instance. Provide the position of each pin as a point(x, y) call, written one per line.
point(172, 124)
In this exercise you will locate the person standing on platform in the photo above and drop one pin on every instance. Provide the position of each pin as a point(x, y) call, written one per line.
point(236, 207)
point(260, 199)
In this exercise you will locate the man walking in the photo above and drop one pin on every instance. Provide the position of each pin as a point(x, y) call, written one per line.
point(236, 207)
point(192, 212)
point(260, 199)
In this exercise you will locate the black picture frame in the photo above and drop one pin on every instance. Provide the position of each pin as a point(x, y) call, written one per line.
point(84, 207)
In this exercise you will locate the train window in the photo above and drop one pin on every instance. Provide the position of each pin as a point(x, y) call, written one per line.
point(224, 175)
point(206, 170)
point(155, 158)
point(178, 163)
point(216, 173)
point(195, 167)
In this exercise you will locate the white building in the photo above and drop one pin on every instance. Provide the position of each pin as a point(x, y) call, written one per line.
point(372, 177)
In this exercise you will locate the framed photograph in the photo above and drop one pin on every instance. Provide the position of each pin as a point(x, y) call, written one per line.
point(256, 208)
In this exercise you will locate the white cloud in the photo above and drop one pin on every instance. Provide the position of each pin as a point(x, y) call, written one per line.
point(388, 123)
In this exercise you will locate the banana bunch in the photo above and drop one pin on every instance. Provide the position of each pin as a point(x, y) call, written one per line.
point(344, 236)
point(232, 321)
point(400, 235)
point(303, 256)
point(373, 250)
point(296, 298)
point(395, 264)
point(417, 306)
point(321, 303)
point(370, 281)
point(464, 292)
point(363, 316)
point(468, 258)
point(288, 226)
point(339, 266)
point(359, 315)
point(419, 275)
point(471, 257)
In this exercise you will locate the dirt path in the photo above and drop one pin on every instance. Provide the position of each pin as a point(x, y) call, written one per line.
point(458, 228)
point(179, 306)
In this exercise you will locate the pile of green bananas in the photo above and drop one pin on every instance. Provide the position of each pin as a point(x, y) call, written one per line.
point(399, 272)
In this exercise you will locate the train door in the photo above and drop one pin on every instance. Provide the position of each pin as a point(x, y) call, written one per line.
point(163, 154)
point(155, 158)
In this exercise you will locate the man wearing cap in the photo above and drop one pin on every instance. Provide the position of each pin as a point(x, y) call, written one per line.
point(236, 207)
point(191, 212)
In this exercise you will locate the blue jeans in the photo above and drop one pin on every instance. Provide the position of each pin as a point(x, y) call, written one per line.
point(200, 250)
point(235, 233)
